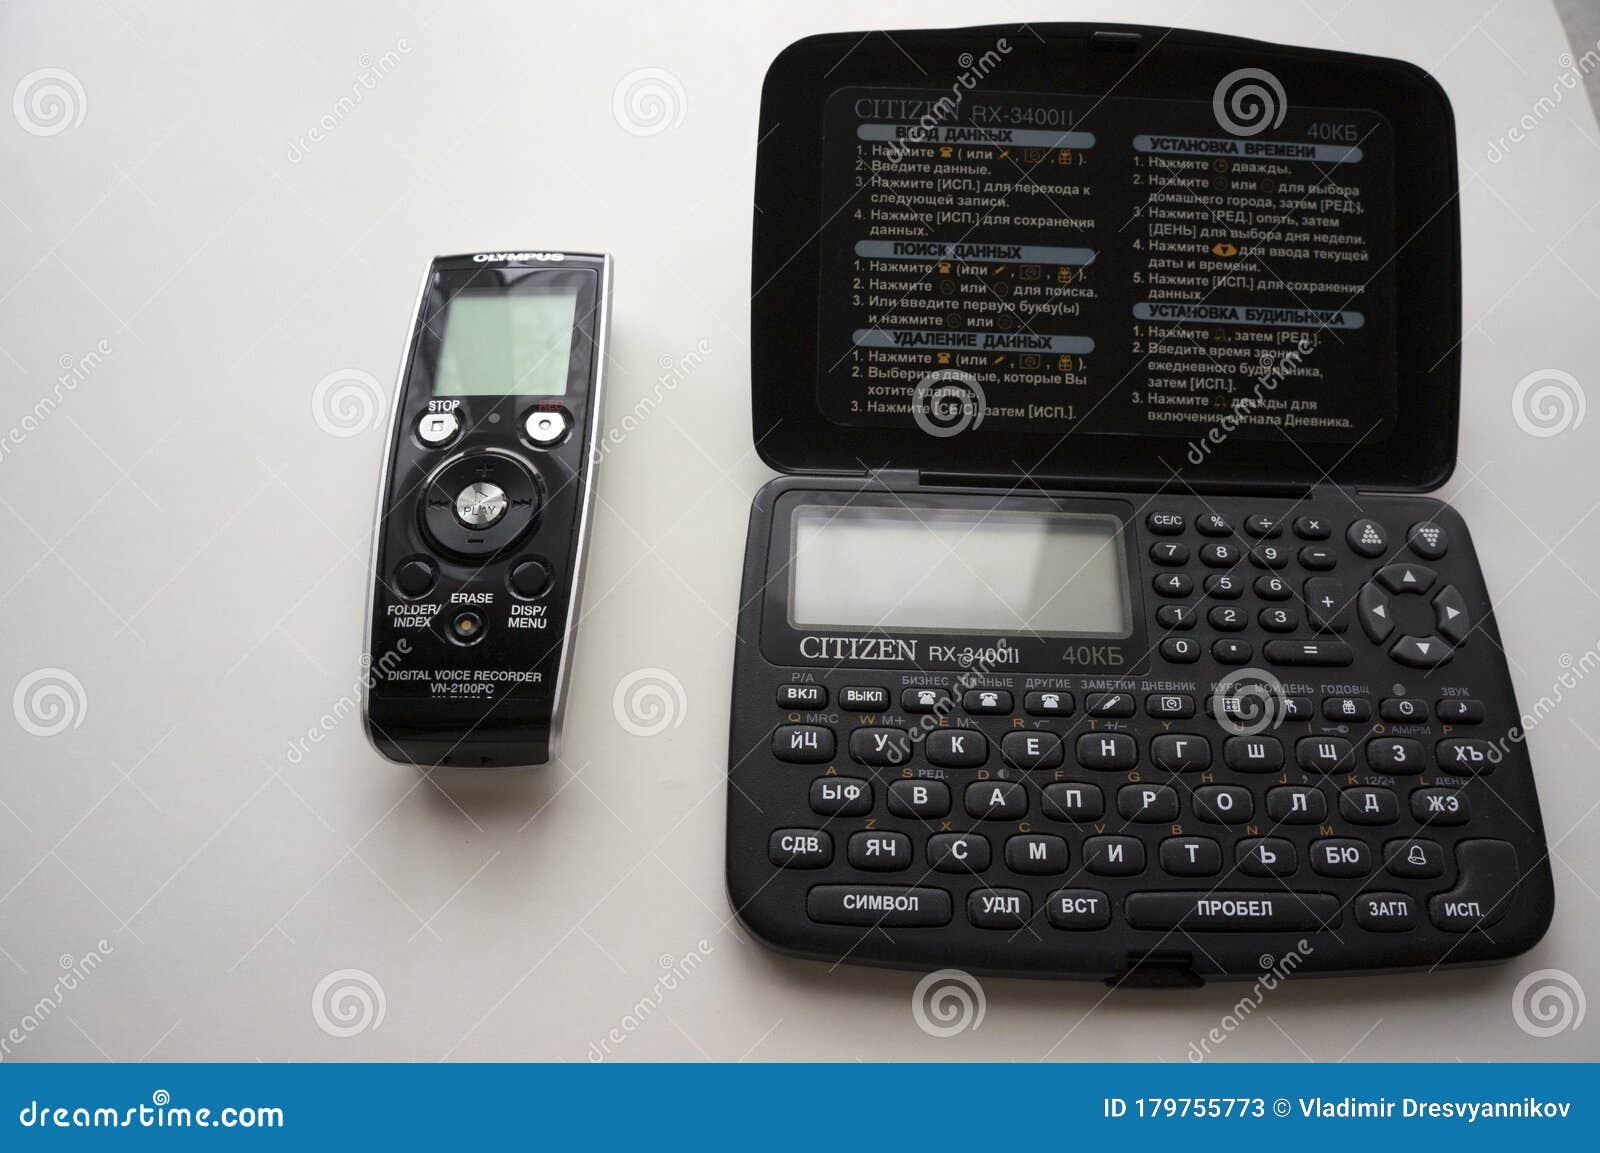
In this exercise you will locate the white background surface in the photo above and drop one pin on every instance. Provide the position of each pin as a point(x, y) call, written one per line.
point(183, 537)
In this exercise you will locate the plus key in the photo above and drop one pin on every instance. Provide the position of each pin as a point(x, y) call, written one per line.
point(1327, 605)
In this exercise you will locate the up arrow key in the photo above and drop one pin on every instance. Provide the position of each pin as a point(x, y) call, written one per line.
point(1407, 578)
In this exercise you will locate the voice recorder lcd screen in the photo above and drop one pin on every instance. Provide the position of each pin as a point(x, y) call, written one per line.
point(958, 571)
point(507, 344)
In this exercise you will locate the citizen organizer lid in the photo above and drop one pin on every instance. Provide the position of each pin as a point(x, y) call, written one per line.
point(1105, 254)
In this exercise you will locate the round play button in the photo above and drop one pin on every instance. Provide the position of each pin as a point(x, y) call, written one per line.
point(480, 504)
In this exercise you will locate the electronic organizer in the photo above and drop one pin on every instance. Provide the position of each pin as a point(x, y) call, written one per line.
point(1099, 627)
point(483, 508)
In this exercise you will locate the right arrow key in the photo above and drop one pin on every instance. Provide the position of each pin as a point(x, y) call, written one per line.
point(1450, 615)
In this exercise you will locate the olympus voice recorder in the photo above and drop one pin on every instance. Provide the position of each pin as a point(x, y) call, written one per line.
point(483, 509)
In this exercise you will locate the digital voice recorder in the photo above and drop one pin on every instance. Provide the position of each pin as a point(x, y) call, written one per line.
point(483, 509)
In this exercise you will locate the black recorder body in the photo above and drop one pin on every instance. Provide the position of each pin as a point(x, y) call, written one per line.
point(1100, 628)
point(483, 509)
